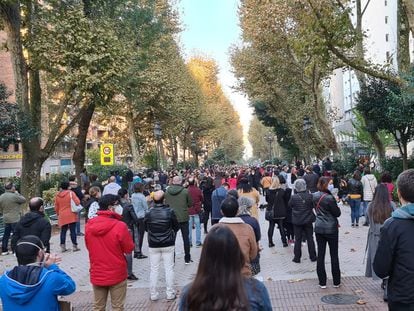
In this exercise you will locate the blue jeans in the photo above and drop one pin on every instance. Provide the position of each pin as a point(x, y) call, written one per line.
point(355, 209)
point(64, 229)
point(8, 229)
point(78, 223)
point(196, 220)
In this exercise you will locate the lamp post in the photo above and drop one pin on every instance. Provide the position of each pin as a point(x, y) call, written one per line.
point(307, 125)
point(269, 139)
point(195, 151)
point(157, 134)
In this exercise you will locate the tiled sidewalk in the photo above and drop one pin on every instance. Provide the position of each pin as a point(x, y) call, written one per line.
point(294, 295)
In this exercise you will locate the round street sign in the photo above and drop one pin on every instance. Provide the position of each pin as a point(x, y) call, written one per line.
point(107, 150)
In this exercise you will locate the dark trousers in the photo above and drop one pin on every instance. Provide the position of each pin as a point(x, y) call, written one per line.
point(214, 221)
point(186, 240)
point(8, 230)
point(301, 232)
point(289, 230)
point(271, 230)
point(332, 241)
point(206, 218)
point(64, 229)
point(396, 306)
point(141, 232)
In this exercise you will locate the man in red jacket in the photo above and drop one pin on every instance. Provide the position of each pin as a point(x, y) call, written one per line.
point(108, 240)
point(194, 211)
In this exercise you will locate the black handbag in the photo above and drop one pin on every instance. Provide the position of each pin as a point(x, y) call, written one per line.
point(269, 214)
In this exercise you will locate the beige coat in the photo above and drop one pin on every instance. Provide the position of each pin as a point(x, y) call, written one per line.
point(246, 238)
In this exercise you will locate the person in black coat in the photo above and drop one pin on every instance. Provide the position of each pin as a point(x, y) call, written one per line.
point(276, 201)
point(326, 231)
point(395, 253)
point(301, 204)
point(33, 223)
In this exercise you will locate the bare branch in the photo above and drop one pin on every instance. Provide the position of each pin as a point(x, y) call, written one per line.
point(365, 8)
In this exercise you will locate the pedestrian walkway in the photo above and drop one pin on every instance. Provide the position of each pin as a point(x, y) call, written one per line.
point(292, 286)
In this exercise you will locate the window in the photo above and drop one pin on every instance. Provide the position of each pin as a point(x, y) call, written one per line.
point(387, 55)
point(385, 3)
point(387, 36)
point(386, 19)
point(16, 147)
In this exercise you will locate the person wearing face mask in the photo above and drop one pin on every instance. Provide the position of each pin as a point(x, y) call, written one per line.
point(108, 240)
point(36, 282)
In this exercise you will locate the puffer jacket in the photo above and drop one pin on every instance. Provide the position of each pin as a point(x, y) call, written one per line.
point(302, 208)
point(162, 225)
point(327, 213)
point(276, 199)
point(355, 187)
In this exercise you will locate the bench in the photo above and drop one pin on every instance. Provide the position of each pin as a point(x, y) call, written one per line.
point(51, 214)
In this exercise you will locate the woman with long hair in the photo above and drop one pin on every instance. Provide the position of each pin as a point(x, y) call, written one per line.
point(247, 190)
point(378, 211)
point(224, 287)
point(355, 191)
point(326, 231)
point(276, 201)
point(386, 179)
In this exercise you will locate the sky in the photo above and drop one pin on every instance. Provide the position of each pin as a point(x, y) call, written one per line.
point(210, 27)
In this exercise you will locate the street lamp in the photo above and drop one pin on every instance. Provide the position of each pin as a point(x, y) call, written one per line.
point(269, 139)
point(307, 125)
point(157, 134)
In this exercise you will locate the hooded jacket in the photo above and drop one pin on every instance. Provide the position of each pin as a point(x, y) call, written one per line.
point(107, 240)
point(197, 198)
point(395, 255)
point(217, 197)
point(34, 288)
point(33, 223)
point(179, 200)
point(63, 209)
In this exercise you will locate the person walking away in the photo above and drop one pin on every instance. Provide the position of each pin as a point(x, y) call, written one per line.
point(107, 240)
point(162, 225)
point(92, 205)
point(245, 189)
point(207, 188)
point(223, 288)
point(37, 281)
point(287, 222)
point(244, 232)
point(395, 253)
point(245, 205)
point(311, 178)
point(33, 223)
point(66, 218)
point(73, 185)
point(355, 192)
point(140, 203)
point(130, 219)
point(378, 211)
point(326, 230)
point(277, 203)
point(112, 187)
point(266, 182)
point(303, 218)
point(369, 183)
point(386, 179)
point(11, 206)
point(194, 211)
point(178, 198)
point(217, 197)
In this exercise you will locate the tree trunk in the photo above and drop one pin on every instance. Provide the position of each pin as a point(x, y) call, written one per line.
point(133, 140)
point(79, 153)
point(403, 48)
point(409, 7)
point(405, 155)
point(175, 151)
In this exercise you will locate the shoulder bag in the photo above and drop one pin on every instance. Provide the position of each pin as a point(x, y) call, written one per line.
point(73, 206)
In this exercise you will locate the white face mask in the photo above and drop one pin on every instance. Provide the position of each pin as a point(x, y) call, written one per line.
point(118, 209)
point(330, 187)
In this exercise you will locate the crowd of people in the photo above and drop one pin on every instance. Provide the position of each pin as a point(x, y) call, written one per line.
point(222, 205)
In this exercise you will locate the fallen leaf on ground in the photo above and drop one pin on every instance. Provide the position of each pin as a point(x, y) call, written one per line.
point(295, 280)
point(361, 302)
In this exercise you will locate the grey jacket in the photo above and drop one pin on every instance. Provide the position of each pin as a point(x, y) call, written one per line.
point(11, 206)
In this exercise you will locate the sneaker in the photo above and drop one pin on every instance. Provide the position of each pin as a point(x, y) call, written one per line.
point(199, 244)
point(141, 256)
point(188, 262)
point(296, 260)
point(337, 286)
point(80, 234)
point(4, 253)
point(322, 286)
point(356, 225)
point(353, 225)
point(285, 245)
point(132, 277)
point(154, 297)
point(314, 259)
point(172, 297)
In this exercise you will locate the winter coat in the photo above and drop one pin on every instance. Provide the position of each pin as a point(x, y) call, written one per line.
point(355, 187)
point(139, 201)
point(179, 200)
point(217, 197)
point(128, 214)
point(327, 213)
point(27, 288)
point(276, 200)
point(197, 199)
point(11, 206)
point(207, 192)
point(63, 209)
point(254, 195)
point(111, 188)
point(301, 204)
point(246, 238)
point(369, 183)
point(311, 181)
point(33, 223)
point(395, 255)
point(254, 224)
point(162, 225)
point(107, 239)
